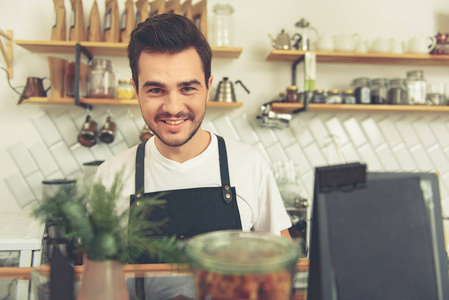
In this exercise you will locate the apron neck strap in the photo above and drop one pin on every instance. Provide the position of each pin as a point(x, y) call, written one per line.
point(224, 172)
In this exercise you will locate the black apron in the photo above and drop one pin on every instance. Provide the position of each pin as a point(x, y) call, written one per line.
point(195, 210)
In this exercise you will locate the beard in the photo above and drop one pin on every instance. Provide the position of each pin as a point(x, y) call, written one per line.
point(194, 129)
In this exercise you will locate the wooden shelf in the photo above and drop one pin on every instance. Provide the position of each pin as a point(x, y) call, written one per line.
point(103, 48)
point(290, 107)
point(102, 101)
point(362, 58)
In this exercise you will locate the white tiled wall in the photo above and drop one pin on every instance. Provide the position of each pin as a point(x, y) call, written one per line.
point(386, 142)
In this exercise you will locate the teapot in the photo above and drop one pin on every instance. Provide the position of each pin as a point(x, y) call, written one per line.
point(305, 29)
point(419, 45)
point(283, 40)
point(346, 43)
point(225, 90)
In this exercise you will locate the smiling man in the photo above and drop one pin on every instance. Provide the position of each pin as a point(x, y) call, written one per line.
point(211, 183)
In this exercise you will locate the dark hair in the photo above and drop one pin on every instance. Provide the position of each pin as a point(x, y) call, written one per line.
point(168, 33)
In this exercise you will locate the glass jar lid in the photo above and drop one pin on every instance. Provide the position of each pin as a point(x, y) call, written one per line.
point(380, 81)
point(319, 91)
point(237, 252)
point(223, 9)
point(124, 81)
point(419, 74)
point(101, 63)
point(362, 81)
point(348, 92)
point(292, 88)
point(334, 91)
point(396, 81)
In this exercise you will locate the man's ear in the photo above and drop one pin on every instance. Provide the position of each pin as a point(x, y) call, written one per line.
point(211, 79)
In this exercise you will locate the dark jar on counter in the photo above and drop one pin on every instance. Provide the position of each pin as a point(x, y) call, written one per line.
point(398, 92)
point(362, 90)
point(292, 94)
point(348, 97)
point(333, 97)
point(318, 96)
point(379, 91)
point(101, 79)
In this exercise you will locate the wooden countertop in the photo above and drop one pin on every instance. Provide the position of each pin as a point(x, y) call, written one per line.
point(24, 273)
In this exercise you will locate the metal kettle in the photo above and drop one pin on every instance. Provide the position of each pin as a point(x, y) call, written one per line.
point(225, 90)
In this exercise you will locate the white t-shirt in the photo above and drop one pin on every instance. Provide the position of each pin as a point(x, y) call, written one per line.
point(258, 198)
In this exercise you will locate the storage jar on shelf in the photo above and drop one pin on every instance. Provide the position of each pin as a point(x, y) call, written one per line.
point(417, 87)
point(101, 79)
point(379, 91)
point(397, 92)
point(362, 90)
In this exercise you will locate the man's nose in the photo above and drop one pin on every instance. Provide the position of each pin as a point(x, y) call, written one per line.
point(173, 103)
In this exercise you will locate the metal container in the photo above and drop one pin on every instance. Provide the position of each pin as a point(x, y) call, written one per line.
point(228, 264)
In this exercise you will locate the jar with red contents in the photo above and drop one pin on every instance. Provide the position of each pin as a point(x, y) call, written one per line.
point(228, 264)
point(292, 94)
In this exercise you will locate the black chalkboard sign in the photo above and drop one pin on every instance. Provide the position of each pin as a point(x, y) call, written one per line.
point(376, 236)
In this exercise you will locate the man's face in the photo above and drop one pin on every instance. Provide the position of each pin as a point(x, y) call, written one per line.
point(172, 94)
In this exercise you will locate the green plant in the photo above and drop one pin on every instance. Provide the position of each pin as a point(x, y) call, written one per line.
point(92, 218)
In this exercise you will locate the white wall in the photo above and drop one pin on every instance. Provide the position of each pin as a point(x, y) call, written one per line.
point(254, 20)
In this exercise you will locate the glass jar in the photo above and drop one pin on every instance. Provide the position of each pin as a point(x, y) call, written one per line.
point(348, 97)
point(397, 92)
point(223, 30)
point(334, 97)
point(228, 264)
point(417, 87)
point(318, 96)
point(362, 90)
point(292, 94)
point(101, 79)
point(125, 89)
point(379, 91)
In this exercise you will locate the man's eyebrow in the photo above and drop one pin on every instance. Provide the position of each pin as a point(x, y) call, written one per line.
point(153, 83)
point(189, 83)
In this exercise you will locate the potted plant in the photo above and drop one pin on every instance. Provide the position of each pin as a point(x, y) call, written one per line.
point(105, 235)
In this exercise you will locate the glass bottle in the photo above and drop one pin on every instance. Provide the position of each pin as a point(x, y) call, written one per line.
point(379, 91)
point(362, 90)
point(223, 30)
point(397, 92)
point(292, 94)
point(101, 79)
point(417, 87)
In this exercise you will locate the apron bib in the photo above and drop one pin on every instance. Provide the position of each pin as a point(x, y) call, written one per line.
point(192, 211)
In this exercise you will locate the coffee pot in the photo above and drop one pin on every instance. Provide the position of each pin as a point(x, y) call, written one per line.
point(34, 88)
point(305, 32)
point(225, 90)
point(283, 40)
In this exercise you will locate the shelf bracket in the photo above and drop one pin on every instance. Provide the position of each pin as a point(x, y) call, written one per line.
point(80, 49)
point(307, 94)
point(6, 50)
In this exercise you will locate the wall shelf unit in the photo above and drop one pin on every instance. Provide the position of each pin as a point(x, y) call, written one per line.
point(103, 48)
point(102, 101)
point(290, 107)
point(361, 58)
